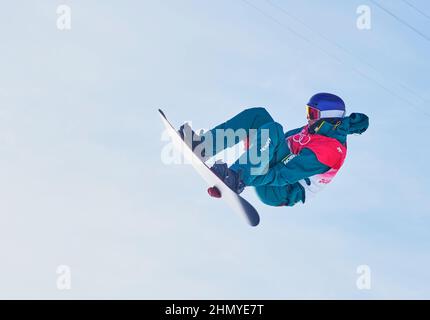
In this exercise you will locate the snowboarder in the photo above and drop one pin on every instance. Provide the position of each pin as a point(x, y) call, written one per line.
point(300, 162)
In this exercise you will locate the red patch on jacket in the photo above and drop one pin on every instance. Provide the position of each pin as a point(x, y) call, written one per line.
point(328, 151)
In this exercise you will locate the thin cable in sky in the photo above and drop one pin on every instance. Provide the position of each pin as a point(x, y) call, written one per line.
point(417, 9)
point(342, 48)
point(404, 22)
point(359, 72)
point(290, 29)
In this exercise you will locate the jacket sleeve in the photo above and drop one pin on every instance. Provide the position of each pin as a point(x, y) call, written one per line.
point(302, 166)
point(292, 132)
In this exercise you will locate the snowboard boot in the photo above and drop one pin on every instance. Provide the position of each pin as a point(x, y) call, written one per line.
point(229, 177)
point(192, 139)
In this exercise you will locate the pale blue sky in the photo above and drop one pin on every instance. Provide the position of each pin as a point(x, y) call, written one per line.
point(82, 183)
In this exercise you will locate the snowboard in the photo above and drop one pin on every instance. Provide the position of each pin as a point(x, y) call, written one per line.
point(234, 200)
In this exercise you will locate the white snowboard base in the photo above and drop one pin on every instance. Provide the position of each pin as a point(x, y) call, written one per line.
point(235, 201)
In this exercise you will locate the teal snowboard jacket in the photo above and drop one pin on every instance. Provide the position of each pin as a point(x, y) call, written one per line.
point(279, 185)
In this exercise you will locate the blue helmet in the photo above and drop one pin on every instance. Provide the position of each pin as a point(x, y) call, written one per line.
point(328, 105)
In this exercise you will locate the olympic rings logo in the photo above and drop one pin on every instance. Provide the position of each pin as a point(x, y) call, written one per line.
point(301, 138)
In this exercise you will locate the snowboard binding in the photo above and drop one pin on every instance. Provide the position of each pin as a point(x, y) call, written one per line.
point(192, 139)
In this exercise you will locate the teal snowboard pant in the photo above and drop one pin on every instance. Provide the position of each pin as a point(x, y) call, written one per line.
point(267, 148)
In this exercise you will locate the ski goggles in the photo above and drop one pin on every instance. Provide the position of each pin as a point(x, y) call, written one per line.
point(312, 113)
point(315, 114)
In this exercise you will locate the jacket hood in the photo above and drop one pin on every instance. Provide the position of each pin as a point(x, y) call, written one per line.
point(355, 123)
